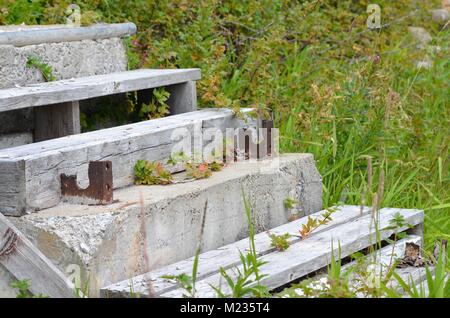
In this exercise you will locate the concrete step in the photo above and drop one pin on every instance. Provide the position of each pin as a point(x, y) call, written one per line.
point(152, 226)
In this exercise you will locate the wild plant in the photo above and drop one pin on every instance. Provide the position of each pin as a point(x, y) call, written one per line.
point(280, 242)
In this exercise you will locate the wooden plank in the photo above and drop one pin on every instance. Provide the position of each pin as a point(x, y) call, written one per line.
point(55, 34)
point(56, 121)
point(226, 256)
point(25, 261)
point(92, 86)
point(44, 162)
point(313, 253)
point(183, 98)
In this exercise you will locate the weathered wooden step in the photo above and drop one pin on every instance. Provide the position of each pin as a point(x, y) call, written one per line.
point(226, 256)
point(57, 109)
point(25, 262)
point(313, 253)
point(30, 174)
point(82, 88)
point(349, 228)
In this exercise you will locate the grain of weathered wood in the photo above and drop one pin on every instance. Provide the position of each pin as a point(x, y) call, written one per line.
point(92, 86)
point(57, 34)
point(226, 256)
point(43, 162)
point(313, 253)
point(183, 97)
point(25, 262)
point(54, 121)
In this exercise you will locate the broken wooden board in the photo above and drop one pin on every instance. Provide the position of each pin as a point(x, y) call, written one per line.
point(25, 262)
point(82, 88)
point(382, 260)
point(366, 271)
point(283, 267)
point(30, 174)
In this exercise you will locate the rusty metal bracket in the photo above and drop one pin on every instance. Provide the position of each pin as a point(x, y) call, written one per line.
point(100, 189)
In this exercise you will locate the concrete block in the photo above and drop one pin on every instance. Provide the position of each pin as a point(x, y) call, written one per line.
point(67, 59)
point(163, 224)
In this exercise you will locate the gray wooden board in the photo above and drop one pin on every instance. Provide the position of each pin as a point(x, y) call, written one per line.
point(92, 86)
point(311, 254)
point(25, 262)
point(39, 165)
point(54, 121)
point(55, 34)
point(226, 256)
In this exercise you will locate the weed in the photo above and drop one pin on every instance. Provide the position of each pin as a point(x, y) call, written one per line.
point(45, 69)
point(187, 282)
point(149, 173)
point(280, 242)
point(314, 223)
point(290, 203)
point(23, 287)
point(157, 107)
point(198, 171)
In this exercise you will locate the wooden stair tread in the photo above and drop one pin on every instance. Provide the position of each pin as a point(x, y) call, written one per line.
point(350, 230)
point(92, 86)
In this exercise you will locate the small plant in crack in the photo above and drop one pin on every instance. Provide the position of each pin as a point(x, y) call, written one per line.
point(313, 224)
point(149, 173)
point(23, 289)
point(290, 203)
point(45, 69)
point(280, 242)
point(198, 170)
point(241, 281)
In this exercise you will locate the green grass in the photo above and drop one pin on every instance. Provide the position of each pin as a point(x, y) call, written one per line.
point(337, 89)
